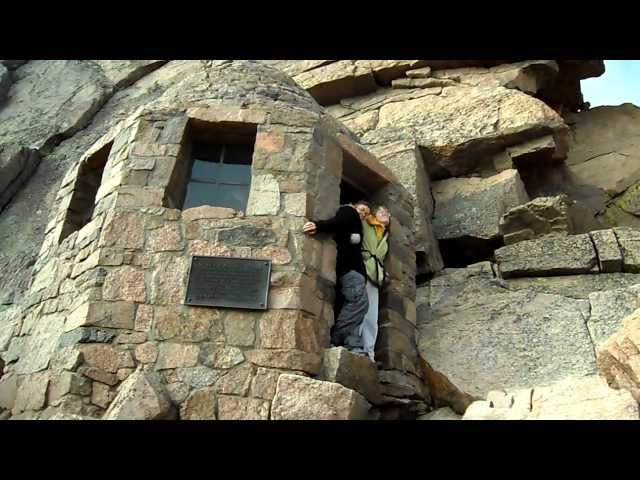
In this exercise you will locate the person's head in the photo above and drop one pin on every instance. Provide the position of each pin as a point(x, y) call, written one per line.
point(363, 208)
point(382, 215)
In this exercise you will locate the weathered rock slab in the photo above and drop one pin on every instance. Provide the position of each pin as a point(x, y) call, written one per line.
point(505, 340)
point(605, 147)
point(619, 356)
point(569, 255)
point(353, 371)
point(473, 207)
point(609, 308)
point(302, 398)
point(540, 217)
point(586, 398)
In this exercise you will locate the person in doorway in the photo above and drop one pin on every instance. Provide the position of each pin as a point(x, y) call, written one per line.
point(375, 229)
point(346, 227)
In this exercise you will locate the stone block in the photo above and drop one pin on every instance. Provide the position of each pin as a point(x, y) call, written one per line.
point(288, 329)
point(102, 314)
point(32, 392)
point(166, 238)
point(263, 384)
point(98, 375)
point(174, 355)
point(629, 241)
point(352, 371)
point(125, 283)
point(124, 230)
point(198, 377)
point(144, 318)
point(239, 328)
point(236, 381)
point(104, 357)
point(136, 196)
point(538, 218)
point(207, 212)
point(608, 250)
point(220, 355)
point(474, 206)
point(146, 352)
point(264, 196)
point(302, 398)
point(569, 255)
point(8, 390)
point(101, 395)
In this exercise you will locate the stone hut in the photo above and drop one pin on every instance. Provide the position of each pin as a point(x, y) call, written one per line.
point(105, 330)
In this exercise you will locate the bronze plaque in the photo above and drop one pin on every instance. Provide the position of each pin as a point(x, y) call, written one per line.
point(228, 282)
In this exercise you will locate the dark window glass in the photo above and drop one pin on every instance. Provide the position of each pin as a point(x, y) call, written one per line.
point(220, 176)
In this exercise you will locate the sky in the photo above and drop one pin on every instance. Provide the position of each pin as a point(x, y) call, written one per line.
point(619, 84)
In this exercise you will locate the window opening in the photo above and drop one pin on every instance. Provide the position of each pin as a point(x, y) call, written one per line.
point(87, 183)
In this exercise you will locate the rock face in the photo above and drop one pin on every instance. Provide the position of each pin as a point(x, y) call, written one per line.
point(605, 147)
point(587, 398)
point(467, 116)
point(473, 207)
point(619, 357)
point(140, 397)
point(301, 398)
point(608, 309)
point(509, 339)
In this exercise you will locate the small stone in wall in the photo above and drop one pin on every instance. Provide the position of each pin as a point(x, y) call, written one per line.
point(175, 355)
point(221, 356)
point(178, 392)
point(101, 395)
point(200, 405)
point(264, 196)
point(144, 317)
point(166, 238)
point(99, 375)
point(239, 328)
point(125, 283)
point(146, 352)
point(207, 212)
point(101, 356)
point(198, 377)
point(124, 230)
point(236, 381)
point(264, 383)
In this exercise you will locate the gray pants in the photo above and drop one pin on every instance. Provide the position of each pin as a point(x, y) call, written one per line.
point(346, 330)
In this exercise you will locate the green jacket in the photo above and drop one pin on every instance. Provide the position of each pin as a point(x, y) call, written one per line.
point(374, 252)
